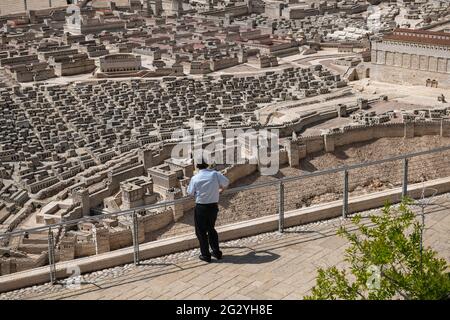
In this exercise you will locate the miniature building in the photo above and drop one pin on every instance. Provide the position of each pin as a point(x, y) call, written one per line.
point(137, 192)
point(414, 57)
point(92, 25)
point(17, 6)
point(266, 61)
point(345, 48)
point(120, 63)
point(72, 65)
point(21, 60)
point(200, 67)
point(171, 174)
point(33, 72)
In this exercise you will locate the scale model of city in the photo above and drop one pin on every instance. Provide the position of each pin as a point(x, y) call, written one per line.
point(92, 92)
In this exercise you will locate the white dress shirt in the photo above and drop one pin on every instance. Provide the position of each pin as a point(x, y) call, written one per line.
point(205, 185)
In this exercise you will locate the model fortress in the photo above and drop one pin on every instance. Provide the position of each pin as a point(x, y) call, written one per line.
point(89, 105)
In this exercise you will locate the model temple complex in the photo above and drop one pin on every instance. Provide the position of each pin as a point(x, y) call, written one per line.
point(92, 93)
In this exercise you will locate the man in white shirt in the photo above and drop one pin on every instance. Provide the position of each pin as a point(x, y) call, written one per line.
point(205, 186)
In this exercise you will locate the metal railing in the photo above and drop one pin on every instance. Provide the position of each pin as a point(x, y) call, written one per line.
point(286, 190)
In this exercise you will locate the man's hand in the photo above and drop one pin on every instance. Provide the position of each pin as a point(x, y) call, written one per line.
point(221, 190)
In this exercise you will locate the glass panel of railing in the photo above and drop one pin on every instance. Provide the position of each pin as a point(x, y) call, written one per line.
point(423, 170)
point(242, 204)
point(375, 178)
point(172, 219)
point(24, 251)
point(87, 237)
point(306, 191)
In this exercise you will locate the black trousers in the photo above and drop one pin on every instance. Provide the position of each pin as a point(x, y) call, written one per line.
point(205, 216)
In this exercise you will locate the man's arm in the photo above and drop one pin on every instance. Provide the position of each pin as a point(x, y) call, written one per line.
point(191, 188)
point(223, 181)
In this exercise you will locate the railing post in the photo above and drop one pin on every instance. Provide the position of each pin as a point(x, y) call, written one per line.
point(135, 232)
point(405, 178)
point(51, 256)
point(345, 193)
point(281, 207)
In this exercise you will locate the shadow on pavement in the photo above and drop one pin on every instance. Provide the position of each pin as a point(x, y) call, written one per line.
point(253, 257)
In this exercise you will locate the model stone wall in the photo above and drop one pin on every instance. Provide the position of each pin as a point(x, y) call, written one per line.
point(306, 120)
point(122, 175)
point(313, 143)
point(364, 133)
point(407, 76)
point(239, 171)
point(97, 198)
point(328, 142)
point(424, 129)
point(120, 239)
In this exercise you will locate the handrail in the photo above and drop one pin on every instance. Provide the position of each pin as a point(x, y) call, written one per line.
point(277, 181)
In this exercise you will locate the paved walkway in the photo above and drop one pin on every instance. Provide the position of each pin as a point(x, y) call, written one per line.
point(268, 266)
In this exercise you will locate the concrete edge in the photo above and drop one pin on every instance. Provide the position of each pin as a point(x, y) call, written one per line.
point(229, 232)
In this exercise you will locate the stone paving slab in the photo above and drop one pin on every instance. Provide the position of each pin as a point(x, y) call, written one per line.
point(267, 266)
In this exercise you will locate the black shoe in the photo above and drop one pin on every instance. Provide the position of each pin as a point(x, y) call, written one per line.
point(217, 255)
point(204, 258)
